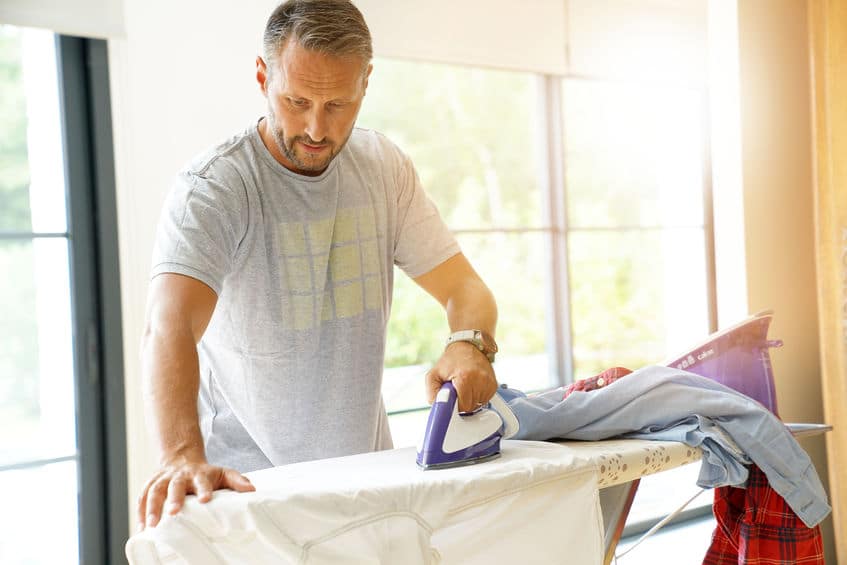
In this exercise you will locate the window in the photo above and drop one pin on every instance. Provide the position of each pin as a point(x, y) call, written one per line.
point(478, 157)
point(54, 378)
point(582, 202)
point(636, 226)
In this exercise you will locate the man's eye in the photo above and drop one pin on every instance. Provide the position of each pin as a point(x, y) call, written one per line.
point(297, 102)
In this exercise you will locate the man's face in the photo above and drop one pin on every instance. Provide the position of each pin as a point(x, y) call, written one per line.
point(313, 101)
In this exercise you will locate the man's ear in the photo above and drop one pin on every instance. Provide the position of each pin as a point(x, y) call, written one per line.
point(262, 75)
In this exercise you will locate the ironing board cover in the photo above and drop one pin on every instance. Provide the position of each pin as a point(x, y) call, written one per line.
point(535, 504)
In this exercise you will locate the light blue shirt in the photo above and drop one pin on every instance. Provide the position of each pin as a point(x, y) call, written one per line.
point(661, 403)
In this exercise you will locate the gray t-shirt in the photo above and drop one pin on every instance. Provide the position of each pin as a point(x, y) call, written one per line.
point(291, 362)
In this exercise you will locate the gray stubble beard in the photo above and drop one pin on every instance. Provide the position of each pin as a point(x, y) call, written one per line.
point(279, 137)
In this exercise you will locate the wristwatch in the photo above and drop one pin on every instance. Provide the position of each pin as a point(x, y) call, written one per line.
point(479, 339)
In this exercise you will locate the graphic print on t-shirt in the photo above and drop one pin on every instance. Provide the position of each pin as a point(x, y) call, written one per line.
point(329, 268)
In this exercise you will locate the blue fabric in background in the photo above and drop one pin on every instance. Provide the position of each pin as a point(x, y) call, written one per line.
point(660, 403)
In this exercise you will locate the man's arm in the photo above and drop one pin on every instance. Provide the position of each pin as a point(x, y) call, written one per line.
point(178, 310)
point(469, 305)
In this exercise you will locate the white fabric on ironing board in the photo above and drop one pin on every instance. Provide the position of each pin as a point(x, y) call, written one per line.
point(537, 503)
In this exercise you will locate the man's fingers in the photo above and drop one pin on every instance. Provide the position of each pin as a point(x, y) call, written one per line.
point(470, 395)
point(176, 493)
point(167, 490)
point(141, 506)
point(433, 385)
point(236, 481)
point(203, 487)
point(467, 398)
point(471, 373)
point(474, 390)
point(155, 498)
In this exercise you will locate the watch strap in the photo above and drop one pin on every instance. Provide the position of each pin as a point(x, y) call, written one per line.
point(479, 339)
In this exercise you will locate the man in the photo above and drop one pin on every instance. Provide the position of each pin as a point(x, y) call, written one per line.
point(272, 277)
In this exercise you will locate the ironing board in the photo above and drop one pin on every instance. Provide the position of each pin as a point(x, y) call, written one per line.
point(537, 503)
point(540, 502)
point(621, 461)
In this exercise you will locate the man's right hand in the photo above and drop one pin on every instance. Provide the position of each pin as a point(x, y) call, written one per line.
point(167, 489)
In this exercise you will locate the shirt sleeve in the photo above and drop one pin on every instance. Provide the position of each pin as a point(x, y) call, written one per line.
point(199, 231)
point(422, 239)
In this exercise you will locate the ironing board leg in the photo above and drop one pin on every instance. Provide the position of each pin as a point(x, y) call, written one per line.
point(615, 503)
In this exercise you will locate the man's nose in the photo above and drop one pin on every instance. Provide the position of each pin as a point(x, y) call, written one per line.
point(316, 126)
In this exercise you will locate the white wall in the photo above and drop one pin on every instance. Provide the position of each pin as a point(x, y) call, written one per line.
point(643, 39)
point(88, 18)
point(488, 33)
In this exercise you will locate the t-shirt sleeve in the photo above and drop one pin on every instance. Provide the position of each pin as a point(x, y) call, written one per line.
point(200, 227)
point(422, 240)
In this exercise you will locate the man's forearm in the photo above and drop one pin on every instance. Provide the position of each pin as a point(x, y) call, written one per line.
point(171, 376)
point(472, 306)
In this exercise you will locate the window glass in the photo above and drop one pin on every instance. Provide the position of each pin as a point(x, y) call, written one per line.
point(36, 363)
point(32, 188)
point(633, 155)
point(407, 428)
point(637, 296)
point(471, 134)
point(513, 266)
point(41, 517)
point(660, 494)
point(38, 448)
point(417, 328)
point(14, 182)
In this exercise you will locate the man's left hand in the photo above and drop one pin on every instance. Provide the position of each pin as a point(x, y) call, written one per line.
point(470, 371)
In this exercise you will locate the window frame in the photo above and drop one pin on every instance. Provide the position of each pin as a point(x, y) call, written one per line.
point(95, 298)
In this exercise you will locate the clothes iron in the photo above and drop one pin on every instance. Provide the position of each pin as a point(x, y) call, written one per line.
point(453, 439)
point(737, 357)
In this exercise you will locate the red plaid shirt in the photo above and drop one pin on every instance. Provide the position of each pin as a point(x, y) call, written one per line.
point(756, 526)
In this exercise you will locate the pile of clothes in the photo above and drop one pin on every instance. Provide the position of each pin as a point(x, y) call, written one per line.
point(769, 498)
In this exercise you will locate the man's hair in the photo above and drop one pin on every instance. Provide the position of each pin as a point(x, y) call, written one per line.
point(333, 27)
